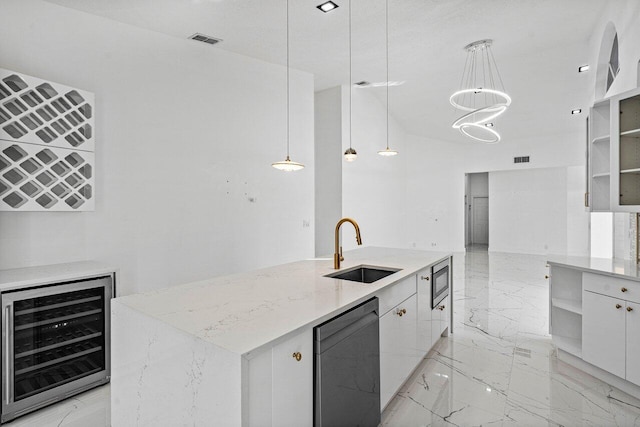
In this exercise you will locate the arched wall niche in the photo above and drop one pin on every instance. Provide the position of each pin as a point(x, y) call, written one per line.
point(607, 67)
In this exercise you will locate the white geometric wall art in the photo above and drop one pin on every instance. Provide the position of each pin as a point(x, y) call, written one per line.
point(38, 178)
point(47, 145)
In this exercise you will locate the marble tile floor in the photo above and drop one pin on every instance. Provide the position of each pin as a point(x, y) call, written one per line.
point(498, 368)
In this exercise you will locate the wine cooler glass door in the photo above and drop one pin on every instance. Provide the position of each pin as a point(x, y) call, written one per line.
point(55, 340)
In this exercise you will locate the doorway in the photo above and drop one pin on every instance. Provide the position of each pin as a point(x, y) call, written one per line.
point(477, 210)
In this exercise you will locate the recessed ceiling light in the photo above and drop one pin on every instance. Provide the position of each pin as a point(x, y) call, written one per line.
point(576, 111)
point(489, 125)
point(327, 6)
point(583, 68)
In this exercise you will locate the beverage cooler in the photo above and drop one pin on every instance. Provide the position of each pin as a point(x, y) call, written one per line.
point(55, 342)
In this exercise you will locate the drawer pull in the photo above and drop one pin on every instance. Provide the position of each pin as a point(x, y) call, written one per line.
point(623, 289)
point(424, 277)
point(297, 355)
point(618, 306)
point(401, 312)
point(441, 307)
point(546, 276)
point(629, 309)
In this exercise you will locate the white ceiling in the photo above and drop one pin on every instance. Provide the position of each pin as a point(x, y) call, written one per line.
point(538, 45)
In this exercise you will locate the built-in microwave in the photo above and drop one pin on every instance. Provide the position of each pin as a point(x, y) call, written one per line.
point(439, 282)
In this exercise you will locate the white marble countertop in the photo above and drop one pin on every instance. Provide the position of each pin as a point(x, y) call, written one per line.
point(246, 311)
point(611, 267)
point(18, 278)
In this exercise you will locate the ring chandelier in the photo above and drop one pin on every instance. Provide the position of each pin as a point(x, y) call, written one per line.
point(481, 96)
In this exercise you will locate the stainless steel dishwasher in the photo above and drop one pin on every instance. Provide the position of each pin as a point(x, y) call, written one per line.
point(347, 368)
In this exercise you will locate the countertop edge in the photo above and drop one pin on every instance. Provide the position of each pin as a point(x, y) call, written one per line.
point(27, 277)
point(595, 270)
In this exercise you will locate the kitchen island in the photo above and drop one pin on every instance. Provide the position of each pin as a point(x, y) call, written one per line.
point(219, 351)
point(594, 317)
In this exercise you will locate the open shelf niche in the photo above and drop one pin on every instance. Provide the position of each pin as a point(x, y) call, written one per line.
point(566, 308)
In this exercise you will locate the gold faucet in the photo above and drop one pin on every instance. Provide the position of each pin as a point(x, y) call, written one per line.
point(337, 256)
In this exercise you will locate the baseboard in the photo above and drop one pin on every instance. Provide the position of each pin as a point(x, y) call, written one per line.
point(600, 374)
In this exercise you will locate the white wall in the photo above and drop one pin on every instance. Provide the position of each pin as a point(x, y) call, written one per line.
point(436, 185)
point(435, 195)
point(185, 137)
point(625, 15)
point(373, 187)
point(528, 211)
point(328, 167)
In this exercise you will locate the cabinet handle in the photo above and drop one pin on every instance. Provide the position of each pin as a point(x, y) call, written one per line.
point(618, 306)
point(401, 311)
point(297, 355)
point(441, 307)
point(546, 276)
point(424, 277)
point(9, 374)
point(623, 289)
point(629, 309)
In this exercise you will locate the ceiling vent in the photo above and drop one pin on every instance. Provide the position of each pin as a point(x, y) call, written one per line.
point(522, 159)
point(205, 39)
point(362, 83)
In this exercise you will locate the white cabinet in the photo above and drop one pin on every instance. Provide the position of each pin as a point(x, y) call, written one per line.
point(293, 381)
point(281, 384)
point(565, 308)
point(625, 152)
point(398, 353)
point(633, 342)
point(603, 338)
point(614, 153)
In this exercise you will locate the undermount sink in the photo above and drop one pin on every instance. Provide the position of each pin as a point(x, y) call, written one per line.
point(364, 274)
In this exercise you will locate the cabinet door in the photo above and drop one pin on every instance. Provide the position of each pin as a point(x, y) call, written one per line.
point(633, 342)
point(439, 319)
point(398, 354)
point(424, 341)
point(603, 332)
point(292, 400)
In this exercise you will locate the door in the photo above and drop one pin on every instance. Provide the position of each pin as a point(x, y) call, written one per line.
point(633, 342)
point(480, 224)
point(603, 332)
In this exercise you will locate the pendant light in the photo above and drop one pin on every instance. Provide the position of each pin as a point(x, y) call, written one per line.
point(387, 152)
point(350, 155)
point(288, 165)
point(481, 96)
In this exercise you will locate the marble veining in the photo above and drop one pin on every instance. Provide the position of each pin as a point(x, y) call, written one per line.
point(498, 368)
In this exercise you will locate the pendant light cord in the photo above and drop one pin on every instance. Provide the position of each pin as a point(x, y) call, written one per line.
point(288, 131)
point(387, 34)
point(350, 77)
